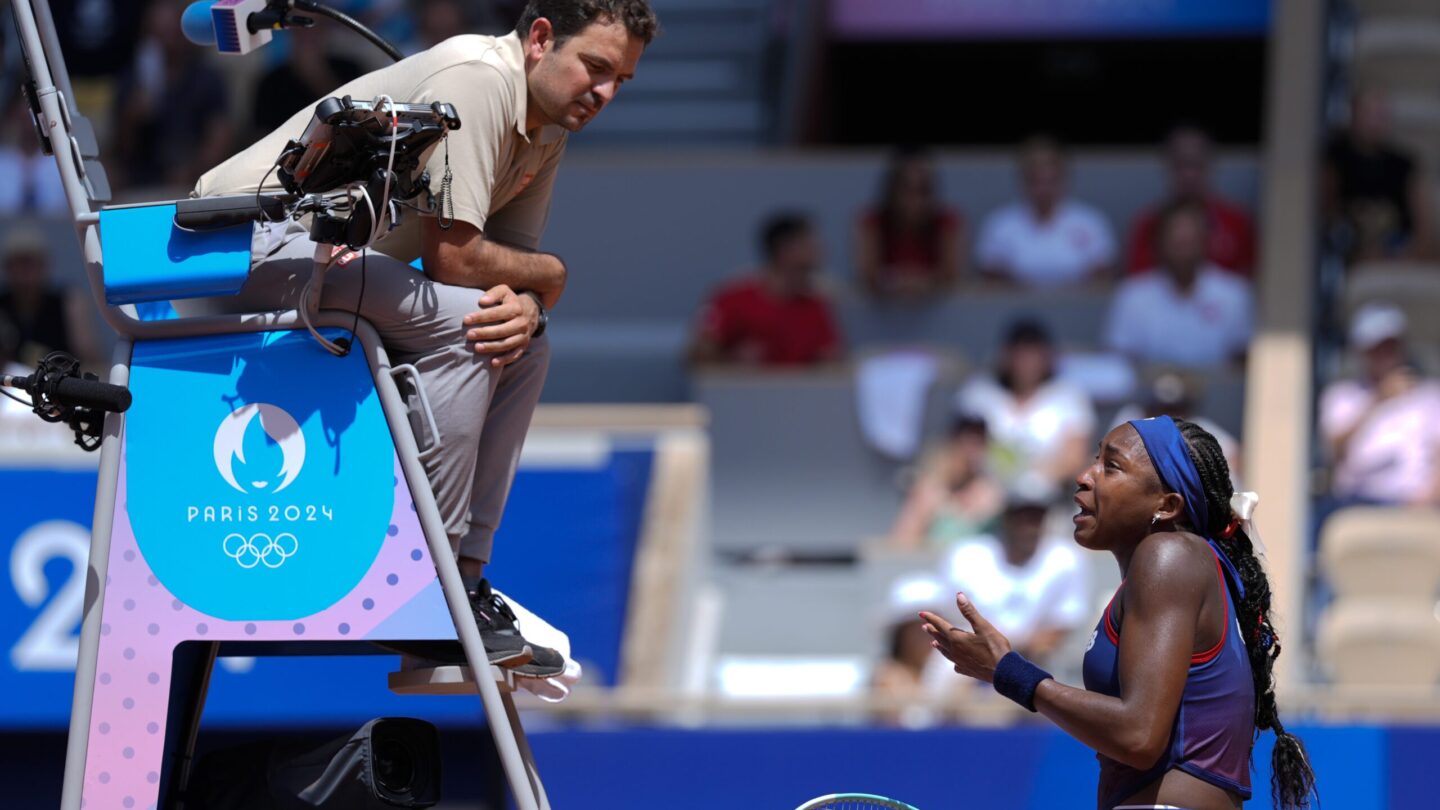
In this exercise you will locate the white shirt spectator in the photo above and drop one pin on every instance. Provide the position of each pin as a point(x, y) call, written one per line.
point(1029, 433)
point(1392, 458)
point(1061, 250)
point(1152, 321)
point(33, 184)
point(1046, 593)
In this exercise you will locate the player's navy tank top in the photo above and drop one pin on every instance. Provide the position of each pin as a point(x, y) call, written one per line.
point(1215, 725)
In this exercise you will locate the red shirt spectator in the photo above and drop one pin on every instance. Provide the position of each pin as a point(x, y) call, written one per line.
point(1231, 244)
point(913, 253)
point(752, 322)
point(910, 245)
point(777, 317)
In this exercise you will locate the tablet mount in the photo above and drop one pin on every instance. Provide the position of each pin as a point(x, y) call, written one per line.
point(356, 162)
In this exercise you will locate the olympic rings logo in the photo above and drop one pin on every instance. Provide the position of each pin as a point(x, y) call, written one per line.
point(260, 549)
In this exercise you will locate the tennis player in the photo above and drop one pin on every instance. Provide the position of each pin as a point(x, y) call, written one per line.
point(1178, 672)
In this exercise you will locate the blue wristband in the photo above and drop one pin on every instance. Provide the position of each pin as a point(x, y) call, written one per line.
point(1017, 679)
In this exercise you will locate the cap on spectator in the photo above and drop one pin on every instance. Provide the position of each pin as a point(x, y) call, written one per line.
point(1374, 324)
point(23, 239)
point(1030, 490)
point(1169, 390)
point(913, 593)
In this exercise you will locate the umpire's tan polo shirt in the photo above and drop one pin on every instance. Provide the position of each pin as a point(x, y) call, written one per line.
point(502, 175)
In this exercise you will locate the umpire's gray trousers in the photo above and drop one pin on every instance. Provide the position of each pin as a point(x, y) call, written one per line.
point(482, 413)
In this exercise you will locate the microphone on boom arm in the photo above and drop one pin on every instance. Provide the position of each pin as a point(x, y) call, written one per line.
point(238, 26)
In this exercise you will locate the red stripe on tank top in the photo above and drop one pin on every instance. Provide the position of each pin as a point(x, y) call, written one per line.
point(1209, 655)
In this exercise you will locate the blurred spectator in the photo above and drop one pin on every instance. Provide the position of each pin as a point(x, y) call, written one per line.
point(1231, 244)
point(42, 317)
point(910, 245)
point(1037, 423)
point(415, 25)
point(392, 19)
point(9, 339)
point(1032, 588)
point(1382, 429)
point(34, 185)
point(438, 20)
point(1374, 197)
point(776, 317)
point(912, 670)
point(311, 71)
point(1187, 312)
point(1046, 240)
point(171, 121)
point(954, 497)
point(98, 38)
point(1172, 395)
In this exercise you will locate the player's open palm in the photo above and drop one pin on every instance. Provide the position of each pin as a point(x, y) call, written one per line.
point(973, 653)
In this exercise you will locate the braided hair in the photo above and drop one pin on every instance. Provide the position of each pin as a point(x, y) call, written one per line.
point(1292, 781)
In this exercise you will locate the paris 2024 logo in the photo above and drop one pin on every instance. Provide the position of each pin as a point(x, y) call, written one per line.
point(289, 493)
point(261, 548)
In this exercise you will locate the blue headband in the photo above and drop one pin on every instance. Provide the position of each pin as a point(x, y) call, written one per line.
point(1171, 458)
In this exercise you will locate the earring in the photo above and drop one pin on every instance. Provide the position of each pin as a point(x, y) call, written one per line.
point(1153, 520)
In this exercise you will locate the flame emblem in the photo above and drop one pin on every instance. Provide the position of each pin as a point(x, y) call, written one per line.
point(278, 424)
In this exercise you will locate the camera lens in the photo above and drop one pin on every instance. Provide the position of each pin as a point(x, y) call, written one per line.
point(394, 766)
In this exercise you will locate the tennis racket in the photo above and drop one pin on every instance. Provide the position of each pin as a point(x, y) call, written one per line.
point(854, 801)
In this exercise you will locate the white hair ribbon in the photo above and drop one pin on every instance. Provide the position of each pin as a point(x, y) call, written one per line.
point(1243, 504)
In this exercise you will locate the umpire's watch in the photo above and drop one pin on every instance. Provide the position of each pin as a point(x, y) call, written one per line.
point(543, 318)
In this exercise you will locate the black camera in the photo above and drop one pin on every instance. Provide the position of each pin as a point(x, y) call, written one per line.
point(389, 762)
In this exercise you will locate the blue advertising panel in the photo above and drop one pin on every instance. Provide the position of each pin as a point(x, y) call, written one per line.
point(565, 550)
point(1030, 767)
point(45, 545)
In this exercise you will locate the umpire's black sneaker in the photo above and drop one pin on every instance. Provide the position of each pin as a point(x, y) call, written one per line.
point(499, 631)
point(445, 653)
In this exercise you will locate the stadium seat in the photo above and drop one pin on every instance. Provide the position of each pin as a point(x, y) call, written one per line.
point(1373, 552)
point(1423, 144)
point(1417, 124)
point(1419, 111)
point(1398, 53)
point(791, 469)
point(1381, 642)
point(1377, 8)
point(1388, 35)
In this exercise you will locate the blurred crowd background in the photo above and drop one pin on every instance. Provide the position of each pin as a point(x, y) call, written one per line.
point(912, 275)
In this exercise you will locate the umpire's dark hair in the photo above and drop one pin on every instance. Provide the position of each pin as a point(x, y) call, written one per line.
point(570, 17)
point(778, 229)
point(1292, 781)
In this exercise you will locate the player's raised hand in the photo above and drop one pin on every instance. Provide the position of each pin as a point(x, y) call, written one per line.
point(973, 653)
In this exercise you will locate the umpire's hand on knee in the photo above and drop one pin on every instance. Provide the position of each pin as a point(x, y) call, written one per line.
point(503, 325)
